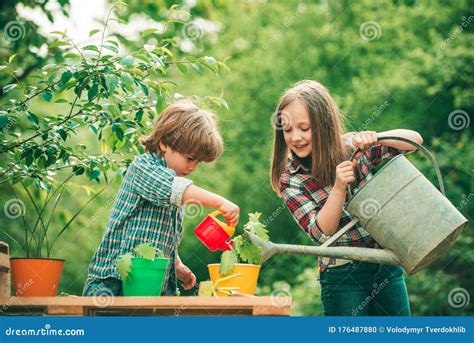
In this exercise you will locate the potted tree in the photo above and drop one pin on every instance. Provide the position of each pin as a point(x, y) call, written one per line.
point(239, 267)
point(97, 94)
point(38, 274)
point(143, 271)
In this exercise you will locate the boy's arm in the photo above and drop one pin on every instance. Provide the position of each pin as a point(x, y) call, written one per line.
point(199, 196)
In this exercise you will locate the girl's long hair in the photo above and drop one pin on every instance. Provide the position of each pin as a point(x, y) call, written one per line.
point(328, 149)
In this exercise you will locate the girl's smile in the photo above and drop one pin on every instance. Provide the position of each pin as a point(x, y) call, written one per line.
point(297, 128)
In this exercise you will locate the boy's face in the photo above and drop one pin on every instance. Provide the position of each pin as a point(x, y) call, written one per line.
point(297, 128)
point(182, 164)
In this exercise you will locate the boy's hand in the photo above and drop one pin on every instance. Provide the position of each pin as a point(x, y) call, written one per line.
point(364, 140)
point(230, 211)
point(186, 276)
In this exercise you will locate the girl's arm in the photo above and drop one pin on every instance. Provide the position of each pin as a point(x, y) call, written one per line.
point(330, 214)
point(410, 134)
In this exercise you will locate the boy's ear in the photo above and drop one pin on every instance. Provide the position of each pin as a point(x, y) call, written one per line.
point(163, 147)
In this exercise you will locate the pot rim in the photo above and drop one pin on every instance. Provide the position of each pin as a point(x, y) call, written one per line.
point(236, 264)
point(37, 258)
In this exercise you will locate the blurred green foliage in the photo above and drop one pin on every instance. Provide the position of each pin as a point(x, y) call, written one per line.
point(390, 64)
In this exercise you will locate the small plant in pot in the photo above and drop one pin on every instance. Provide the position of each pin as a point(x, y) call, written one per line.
point(239, 268)
point(36, 273)
point(143, 271)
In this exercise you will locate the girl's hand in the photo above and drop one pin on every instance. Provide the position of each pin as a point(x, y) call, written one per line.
point(230, 211)
point(364, 140)
point(186, 276)
point(344, 175)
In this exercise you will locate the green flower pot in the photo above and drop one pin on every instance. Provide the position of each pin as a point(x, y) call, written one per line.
point(146, 277)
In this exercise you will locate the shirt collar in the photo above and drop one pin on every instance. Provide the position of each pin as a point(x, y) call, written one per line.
point(294, 166)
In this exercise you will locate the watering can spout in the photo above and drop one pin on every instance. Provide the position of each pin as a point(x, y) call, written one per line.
point(379, 256)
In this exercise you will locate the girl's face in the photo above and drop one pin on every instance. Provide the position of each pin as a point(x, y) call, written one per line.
point(182, 164)
point(297, 128)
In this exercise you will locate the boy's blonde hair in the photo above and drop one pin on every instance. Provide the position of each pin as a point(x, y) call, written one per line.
point(187, 129)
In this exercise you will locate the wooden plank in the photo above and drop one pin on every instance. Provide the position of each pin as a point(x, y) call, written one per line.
point(4, 284)
point(54, 310)
point(4, 249)
point(4, 262)
point(202, 306)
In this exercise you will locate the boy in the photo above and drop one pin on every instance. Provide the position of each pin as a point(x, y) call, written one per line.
point(148, 206)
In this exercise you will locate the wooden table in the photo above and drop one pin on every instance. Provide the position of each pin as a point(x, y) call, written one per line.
point(145, 306)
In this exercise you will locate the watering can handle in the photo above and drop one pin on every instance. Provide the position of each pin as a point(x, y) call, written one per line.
point(419, 146)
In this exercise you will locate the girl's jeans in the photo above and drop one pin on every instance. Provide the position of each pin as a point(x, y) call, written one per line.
point(364, 289)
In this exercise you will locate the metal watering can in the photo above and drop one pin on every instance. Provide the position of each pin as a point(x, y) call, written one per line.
point(413, 221)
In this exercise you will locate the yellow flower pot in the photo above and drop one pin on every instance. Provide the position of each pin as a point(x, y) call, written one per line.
point(242, 279)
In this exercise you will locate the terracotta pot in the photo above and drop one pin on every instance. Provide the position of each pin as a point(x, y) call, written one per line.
point(36, 277)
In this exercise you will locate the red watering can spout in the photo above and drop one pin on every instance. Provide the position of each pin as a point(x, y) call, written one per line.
point(214, 233)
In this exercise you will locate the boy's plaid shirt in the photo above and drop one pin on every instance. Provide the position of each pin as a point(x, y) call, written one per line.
point(147, 208)
point(305, 197)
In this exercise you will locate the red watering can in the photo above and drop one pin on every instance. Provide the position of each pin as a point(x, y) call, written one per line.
point(214, 234)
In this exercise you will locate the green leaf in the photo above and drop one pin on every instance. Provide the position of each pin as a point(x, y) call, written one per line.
point(205, 288)
point(148, 32)
point(66, 76)
point(94, 175)
point(33, 118)
point(198, 68)
point(91, 48)
point(93, 32)
point(111, 48)
point(182, 68)
point(91, 94)
point(9, 87)
point(46, 96)
point(127, 80)
point(111, 81)
point(127, 61)
point(146, 250)
point(124, 264)
point(3, 119)
point(78, 170)
point(11, 58)
point(139, 115)
point(160, 104)
point(58, 43)
point(250, 253)
point(228, 260)
point(61, 101)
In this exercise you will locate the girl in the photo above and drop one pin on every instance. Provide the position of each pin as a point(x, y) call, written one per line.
point(310, 170)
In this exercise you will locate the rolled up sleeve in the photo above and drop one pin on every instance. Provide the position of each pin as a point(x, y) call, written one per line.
point(177, 190)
